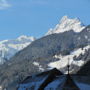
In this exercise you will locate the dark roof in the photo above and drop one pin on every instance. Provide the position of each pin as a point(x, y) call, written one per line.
point(69, 84)
point(52, 75)
point(49, 73)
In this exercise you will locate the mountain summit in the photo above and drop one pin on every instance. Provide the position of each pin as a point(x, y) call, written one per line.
point(67, 24)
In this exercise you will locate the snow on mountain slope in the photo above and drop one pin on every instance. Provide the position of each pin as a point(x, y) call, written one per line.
point(63, 60)
point(38, 66)
point(67, 24)
point(8, 48)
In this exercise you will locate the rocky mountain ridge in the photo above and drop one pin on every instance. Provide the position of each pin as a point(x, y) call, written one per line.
point(67, 24)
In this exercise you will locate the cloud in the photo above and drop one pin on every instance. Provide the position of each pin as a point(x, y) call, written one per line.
point(4, 4)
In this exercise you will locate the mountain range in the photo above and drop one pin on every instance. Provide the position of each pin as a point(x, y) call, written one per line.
point(68, 41)
point(9, 48)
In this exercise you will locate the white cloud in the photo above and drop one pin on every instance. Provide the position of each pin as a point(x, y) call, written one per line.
point(4, 4)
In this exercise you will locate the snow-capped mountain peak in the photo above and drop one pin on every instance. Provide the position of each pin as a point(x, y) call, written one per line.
point(8, 48)
point(24, 37)
point(64, 18)
point(67, 24)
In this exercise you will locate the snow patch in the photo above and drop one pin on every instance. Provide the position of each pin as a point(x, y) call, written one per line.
point(38, 65)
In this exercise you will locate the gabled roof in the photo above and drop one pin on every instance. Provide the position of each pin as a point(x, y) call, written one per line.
point(53, 72)
point(68, 84)
point(52, 75)
point(40, 81)
point(52, 79)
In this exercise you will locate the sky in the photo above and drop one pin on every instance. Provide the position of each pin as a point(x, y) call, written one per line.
point(36, 17)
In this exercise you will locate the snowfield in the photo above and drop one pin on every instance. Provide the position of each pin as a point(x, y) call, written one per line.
point(63, 60)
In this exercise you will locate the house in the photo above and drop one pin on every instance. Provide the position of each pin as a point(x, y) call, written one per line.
point(39, 81)
point(52, 80)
